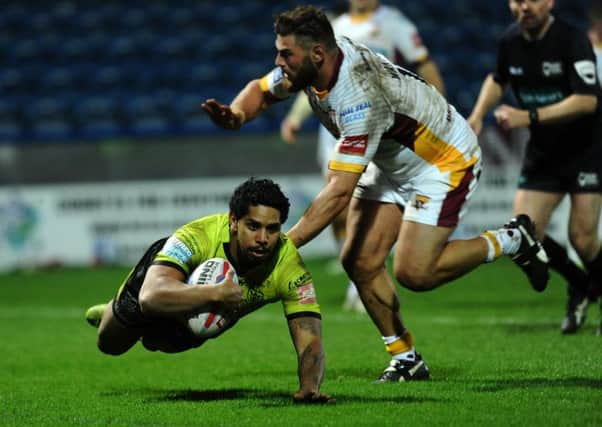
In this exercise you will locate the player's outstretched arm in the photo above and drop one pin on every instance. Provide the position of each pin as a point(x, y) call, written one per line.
point(164, 293)
point(245, 107)
point(326, 206)
point(306, 332)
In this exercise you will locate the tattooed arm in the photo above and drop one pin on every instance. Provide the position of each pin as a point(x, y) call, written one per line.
point(307, 338)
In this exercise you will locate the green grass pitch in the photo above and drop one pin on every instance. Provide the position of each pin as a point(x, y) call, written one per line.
point(493, 346)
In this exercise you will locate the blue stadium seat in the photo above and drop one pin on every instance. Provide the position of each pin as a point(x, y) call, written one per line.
point(98, 117)
point(145, 117)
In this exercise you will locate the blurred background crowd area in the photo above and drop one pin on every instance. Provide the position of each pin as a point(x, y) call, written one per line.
point(79, 71)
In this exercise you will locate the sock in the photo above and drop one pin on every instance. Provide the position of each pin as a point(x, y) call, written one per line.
point(400, 348)
point(560, 261)
point(351, 291)
point(501, 242)
point(594, 268)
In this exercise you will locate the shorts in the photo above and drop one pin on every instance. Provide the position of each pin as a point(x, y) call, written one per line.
point(579, 172)
point(427, 198)
point(126, 306)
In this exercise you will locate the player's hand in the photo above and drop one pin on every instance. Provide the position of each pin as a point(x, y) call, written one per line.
point(312, 397)
point(289, 130)
point(229, 292)
point(222, 115)
point(476, 123)
point(510, 118)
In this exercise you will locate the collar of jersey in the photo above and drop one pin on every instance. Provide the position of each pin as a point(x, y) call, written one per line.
point(321, 94)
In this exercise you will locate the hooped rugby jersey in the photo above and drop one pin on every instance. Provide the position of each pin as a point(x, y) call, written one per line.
point(386, 114)
point(283, 277)
point(386, 31)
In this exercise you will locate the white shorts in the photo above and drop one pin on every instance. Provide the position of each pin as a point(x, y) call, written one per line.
point(427, 198)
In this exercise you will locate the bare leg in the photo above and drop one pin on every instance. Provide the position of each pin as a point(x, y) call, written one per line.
point(113, 337)
point(371, 231)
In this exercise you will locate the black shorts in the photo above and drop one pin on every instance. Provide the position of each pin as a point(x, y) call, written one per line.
point(575, 172)
point(126, 306)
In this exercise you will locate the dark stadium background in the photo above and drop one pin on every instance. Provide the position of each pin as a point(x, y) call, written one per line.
point(87, 72)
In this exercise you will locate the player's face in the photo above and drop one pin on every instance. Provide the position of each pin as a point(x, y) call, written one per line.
point(295, 63)
point(531, 14)
point(255, 235)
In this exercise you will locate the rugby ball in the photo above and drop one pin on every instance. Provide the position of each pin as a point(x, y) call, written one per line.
point(207, 322)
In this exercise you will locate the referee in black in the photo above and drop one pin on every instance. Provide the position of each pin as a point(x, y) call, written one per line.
point(551, 68)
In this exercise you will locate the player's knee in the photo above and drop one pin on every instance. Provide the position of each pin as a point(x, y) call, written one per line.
point(360, 269)
point(107, 347)
point(584, 241)
point(415, 279)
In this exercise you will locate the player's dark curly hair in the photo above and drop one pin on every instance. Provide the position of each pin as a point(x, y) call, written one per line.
point(308, 24)
point(255, 192)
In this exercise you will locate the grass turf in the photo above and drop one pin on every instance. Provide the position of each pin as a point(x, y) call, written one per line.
point(492, 344)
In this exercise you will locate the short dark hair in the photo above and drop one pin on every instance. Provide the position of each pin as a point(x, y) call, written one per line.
point(307, 24)
point(255, 192)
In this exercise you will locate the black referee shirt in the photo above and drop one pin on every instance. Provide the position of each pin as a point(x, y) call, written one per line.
point(546, 71)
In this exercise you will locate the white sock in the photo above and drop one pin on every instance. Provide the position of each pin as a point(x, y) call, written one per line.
point(408, 355)
point(501, 242)
point(351, 291)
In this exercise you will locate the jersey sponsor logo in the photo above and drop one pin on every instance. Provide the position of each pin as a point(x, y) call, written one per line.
point(176, 249)
point(355, 113)
point(588, 179)
point(586, 70)
point(539, 98)
point(551, 68)
point(306, 294)
point(515, 71)
point(304, 278)
point(355, 145)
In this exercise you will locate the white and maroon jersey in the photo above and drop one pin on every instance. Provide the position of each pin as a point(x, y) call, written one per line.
point(384, 114)
point(386, 31)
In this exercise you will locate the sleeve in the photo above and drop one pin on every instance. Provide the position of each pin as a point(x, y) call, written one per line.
point(407, 42)
point(582, 66)
point(298, 293)
point(275, 85)
point(183, 250)
point(362, 122)
point(500, 74)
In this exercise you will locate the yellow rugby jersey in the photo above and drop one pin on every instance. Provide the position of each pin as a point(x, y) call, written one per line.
point(283, 277)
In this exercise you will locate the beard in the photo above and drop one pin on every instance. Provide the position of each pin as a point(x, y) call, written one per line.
point(252, 256)
point(304, 77)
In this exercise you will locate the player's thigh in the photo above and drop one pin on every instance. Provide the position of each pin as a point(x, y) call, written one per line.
point(372, 228)
point(114, 337)
point(418, 249)
point(539, 205)
point(584, 221)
